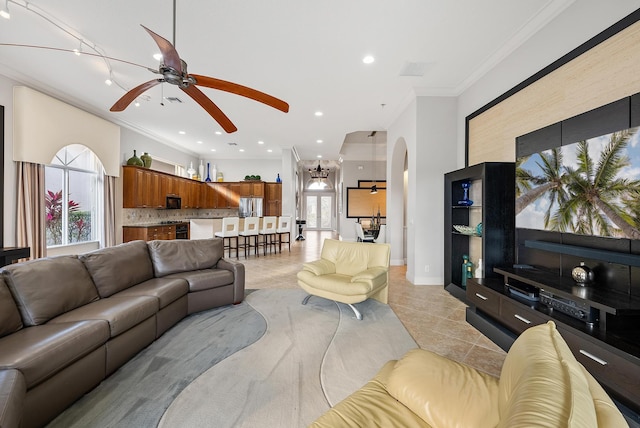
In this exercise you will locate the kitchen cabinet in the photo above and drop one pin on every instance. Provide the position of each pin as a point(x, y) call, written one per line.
point(273, 199)
point(251, 189)
point(148, 233)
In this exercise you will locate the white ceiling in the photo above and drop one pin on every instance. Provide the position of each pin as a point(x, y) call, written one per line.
point(306, 53)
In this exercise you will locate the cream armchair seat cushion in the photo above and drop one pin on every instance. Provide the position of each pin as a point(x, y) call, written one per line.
point(348, 272)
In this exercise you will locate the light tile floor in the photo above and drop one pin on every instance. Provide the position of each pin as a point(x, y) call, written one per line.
point(434, 318)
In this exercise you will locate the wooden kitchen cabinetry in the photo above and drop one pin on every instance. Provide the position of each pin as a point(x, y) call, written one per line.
point(273, 199)
point(252, 189)
point(148, 233)
point(144, 188)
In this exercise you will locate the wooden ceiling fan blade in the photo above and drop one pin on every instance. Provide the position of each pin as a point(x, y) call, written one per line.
point(244, 91)
point(211, 108)
point(134, 93)
point(170, 56)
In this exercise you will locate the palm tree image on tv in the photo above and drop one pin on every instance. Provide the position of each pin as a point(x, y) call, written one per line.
point(591, 187)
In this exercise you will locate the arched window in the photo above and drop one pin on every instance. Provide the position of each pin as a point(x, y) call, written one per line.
point(73, 196)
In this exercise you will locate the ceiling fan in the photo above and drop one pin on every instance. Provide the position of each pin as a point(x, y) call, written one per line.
point(174, 70)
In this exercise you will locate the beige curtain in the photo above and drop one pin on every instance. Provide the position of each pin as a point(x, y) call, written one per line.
point(31, 210)
point(109, 232)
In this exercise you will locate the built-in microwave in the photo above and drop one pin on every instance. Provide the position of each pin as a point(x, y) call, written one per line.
point(174, 202)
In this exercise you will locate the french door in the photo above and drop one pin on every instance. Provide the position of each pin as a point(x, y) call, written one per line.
point(319, 209)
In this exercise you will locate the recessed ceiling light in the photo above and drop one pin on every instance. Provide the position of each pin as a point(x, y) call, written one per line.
point(218, 133)
point(157, 56)
point(181, 132)
point(260, 142)
point(319, 156)
point(368, 59)
point(242, 150)
point(137, 104)
point(199, 142)
point(108, 82)
point(269, 150)
point(213, 150)
point(319, 141)
point(319, 113)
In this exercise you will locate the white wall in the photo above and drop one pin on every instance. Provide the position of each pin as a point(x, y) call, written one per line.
point(9, 190)
point(427, 128)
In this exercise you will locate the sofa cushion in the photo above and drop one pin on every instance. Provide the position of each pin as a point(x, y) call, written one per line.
point(205, 279)
point(183, 255)
point(166, 290)
point(9, 316)
point(117, 268)
point(41, 351)
point(47, 287)
point(542, 384)
point(122, 313)
point(443, 392)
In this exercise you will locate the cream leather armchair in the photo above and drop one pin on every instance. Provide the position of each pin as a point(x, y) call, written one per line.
point(348, 272)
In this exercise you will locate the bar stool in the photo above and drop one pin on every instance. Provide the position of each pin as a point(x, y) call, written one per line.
point(284, 228)
point(268, 233)
point(230, 226)
point(249, 233)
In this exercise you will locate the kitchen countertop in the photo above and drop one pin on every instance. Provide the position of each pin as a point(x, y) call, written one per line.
point(156, 224)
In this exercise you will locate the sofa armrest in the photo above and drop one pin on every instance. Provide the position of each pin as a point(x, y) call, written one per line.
point(13, 389)
point(237, 269)
point(320, 267)
point(443, 392)
point(369, 274)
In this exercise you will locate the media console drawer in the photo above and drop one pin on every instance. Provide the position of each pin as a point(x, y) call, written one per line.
point(517, 316)
point(615, 372)
point(483, 298)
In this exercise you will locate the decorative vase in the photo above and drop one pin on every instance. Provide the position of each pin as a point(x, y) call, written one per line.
point(219, 176)
point(208, 173)
point(146, 159)
point(191, 171)
point(201, 170)
point(465, 201)
point(214, 173)
point(278, 179)
point(135, 160)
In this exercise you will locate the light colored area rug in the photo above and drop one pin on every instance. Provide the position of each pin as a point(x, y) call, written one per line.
point(267, 362)
point(309, 358)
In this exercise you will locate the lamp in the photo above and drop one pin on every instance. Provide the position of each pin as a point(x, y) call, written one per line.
point(4, 10)
point(374, 188)
point(319, 173)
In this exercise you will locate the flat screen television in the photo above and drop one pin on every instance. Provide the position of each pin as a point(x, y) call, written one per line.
point(590, 187)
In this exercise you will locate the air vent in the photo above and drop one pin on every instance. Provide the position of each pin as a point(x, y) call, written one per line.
point(232, 144)
point(417, 69)
point(173, 100)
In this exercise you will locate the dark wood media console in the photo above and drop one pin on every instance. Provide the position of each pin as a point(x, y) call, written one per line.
point(608, 348)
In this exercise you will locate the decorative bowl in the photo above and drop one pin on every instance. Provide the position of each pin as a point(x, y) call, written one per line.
point(465, 230)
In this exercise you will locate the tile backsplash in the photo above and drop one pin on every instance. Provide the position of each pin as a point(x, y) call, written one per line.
point(142, 216)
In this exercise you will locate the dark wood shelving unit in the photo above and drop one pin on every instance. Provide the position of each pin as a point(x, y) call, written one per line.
point(492, 186)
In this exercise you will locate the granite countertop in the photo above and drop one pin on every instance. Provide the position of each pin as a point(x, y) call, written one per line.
point(157, 224)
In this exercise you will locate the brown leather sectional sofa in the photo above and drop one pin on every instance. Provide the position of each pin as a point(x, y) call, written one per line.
point(66, 323)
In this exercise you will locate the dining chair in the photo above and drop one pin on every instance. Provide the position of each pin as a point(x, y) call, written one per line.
point(361, 236)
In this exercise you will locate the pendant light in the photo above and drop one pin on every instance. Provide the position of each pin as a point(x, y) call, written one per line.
point(374, 188)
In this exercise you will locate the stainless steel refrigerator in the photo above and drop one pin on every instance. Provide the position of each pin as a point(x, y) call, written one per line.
point(250, 207)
